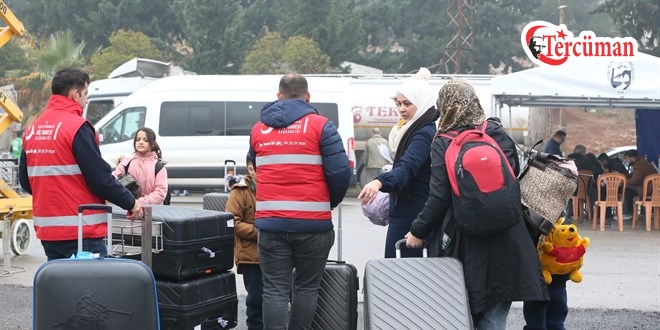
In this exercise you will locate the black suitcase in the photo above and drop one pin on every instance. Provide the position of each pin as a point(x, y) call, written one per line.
point(415, 293)
point(206, 302)
point(103, 293)
point(337, 303)
point(195, 241)
point(215, 201)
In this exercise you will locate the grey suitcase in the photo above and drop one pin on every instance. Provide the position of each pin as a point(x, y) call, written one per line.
point(415, 293)
point(215, 201)
point(103, 293)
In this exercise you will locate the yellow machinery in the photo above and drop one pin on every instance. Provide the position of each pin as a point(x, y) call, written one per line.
point(13, 207)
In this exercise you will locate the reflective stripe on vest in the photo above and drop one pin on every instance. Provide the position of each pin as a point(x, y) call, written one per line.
point(289, 159)
point(292, 206)
point(53, 170)
point(70, 220)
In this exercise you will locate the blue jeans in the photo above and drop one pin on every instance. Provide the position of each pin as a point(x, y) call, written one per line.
point(494, 317)
point(65, 249)
point(279, 254)
point(547, 315)
point(254, 287)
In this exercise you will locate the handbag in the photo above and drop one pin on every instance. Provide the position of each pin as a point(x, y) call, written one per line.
point(129, 182)
point(546, 185)
point(378, 211)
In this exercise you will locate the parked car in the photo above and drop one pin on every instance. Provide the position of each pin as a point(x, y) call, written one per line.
point(619, 152)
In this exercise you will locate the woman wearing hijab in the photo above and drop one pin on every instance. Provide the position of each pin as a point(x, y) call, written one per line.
point(410, 142)
point(498, 268)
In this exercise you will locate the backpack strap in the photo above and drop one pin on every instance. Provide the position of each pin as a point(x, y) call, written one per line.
point(126, 166)
point(159, 166)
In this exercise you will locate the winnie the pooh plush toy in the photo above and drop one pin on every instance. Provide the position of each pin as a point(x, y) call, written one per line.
point(562, 252)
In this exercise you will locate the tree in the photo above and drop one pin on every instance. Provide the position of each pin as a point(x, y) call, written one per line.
point(637, 19)
point(13, 58)
point(124, 45)
point(272, 55)
point(33, 87)
point(216, 33)
point(336, 26)
point(94, 21)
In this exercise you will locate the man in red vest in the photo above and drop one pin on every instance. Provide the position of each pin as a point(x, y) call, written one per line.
point(61, 166)
point(302, 174)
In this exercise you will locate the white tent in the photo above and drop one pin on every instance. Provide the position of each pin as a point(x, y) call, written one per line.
point(583, 82)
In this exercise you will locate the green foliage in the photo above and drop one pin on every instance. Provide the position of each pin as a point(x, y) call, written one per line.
point(265, 56)
point(124, 45)
point(13, 58)
point(215, 31)
point(638, 19)
point(272, 55)
point(33, 87)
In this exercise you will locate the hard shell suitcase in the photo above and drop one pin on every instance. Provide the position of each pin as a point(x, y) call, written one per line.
point(415, 293)
point(206, 302)
point(93, 293)
point(337, 303)
point(215, 201)
point(195, 241)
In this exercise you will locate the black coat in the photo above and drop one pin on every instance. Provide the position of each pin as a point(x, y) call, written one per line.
point(502, 267)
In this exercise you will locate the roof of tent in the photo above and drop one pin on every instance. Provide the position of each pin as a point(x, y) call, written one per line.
point(584, 82)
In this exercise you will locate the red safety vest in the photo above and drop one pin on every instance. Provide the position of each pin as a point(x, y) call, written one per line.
point(290, 177)
point(58, 187)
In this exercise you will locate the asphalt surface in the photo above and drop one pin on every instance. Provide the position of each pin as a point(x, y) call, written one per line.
point(620, 289)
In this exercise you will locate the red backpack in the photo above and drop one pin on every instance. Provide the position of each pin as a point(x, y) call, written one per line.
point(485, 191)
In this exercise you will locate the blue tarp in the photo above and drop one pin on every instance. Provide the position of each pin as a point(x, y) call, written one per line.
point(648, 133)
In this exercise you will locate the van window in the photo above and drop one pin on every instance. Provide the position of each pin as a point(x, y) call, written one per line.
point(123, 126)
point(97, 109)
point(220, 118)
point(191, 118)
point(241, 116)
point(328, 110)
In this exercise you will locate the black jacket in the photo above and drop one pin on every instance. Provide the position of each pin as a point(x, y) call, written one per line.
point(502, 267)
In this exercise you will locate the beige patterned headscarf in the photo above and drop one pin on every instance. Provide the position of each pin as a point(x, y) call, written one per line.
point(459, 106)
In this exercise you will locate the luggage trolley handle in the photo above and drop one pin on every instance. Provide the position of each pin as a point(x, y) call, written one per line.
point(102, 207)
point(398, 243)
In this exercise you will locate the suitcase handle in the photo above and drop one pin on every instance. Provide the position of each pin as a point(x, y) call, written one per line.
point(398, 243)
point(207, 254)
point(108, 211)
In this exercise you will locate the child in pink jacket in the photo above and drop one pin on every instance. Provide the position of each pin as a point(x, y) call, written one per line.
point(142, 166)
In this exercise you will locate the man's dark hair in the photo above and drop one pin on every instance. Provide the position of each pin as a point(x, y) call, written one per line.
point(293, 86)
point(560, 134)
point(68, 78)
point(632, 153)
point(603, 156)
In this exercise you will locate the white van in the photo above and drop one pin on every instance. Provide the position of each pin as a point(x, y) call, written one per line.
point(105, 94)
point(202, 121)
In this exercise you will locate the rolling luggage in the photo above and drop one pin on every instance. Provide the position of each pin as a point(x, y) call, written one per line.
point(195, 241)
point(94, 293)
point(337, 303)
point(215, 201)
point(415, 293)
point(206, 302)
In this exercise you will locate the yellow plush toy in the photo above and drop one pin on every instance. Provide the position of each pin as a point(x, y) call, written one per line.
point(562, 252)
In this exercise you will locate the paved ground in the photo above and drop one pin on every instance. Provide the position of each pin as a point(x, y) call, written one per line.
point(620, 290)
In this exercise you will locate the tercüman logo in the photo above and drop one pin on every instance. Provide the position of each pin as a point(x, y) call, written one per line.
point(549, 44)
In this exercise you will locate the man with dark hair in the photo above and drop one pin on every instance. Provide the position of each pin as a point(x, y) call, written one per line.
point(641, 168)
point(302, 174)
point(612, 164)
point(61, 166)
point(552, 147)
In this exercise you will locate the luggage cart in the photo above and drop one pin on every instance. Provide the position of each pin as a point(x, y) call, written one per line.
point(128, 237)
